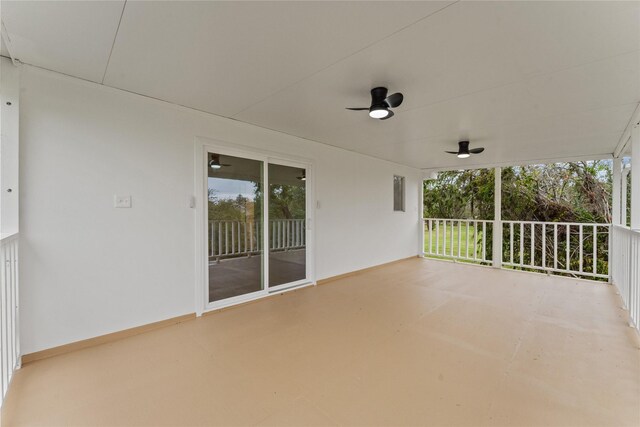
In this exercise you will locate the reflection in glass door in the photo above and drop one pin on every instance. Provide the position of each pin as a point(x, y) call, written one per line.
point(287, 225)
point(234, 226)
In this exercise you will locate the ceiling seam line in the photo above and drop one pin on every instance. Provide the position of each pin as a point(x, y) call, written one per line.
point(347, 57)
point(113, 44)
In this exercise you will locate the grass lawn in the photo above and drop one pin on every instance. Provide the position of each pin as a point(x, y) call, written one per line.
point(463, 240)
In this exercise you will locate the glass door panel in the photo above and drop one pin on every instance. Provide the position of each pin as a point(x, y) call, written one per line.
point(287, 225)
point(235, 222)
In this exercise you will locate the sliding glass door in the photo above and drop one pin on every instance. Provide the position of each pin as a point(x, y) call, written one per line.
point(242, 221)
point(287, 224)
point(234, 192)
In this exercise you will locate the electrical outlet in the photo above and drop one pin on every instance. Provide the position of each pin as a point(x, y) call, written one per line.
point(122, 201)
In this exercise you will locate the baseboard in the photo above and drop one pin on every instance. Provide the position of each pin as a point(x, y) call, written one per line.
point(103, 339)
point(356, 272)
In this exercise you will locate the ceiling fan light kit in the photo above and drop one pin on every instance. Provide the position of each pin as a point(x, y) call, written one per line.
point(378, 112)
point(214, 163)
point(381, 104)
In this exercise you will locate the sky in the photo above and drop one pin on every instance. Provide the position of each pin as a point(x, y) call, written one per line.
point(230, 188)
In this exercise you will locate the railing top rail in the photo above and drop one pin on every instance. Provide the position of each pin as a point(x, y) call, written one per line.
point(457, 219)
point(8, 236)
point(240, 220)
point(599, 224)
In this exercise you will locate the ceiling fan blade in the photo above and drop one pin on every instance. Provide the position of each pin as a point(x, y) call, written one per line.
point(394, 100)
point(476, 150)
point(357, 109)
point(451, 152)
point(388, 115)
point(225, 164)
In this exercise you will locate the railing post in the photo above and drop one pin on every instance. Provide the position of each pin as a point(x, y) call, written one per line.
point(616, 202)
point(497, 219)
point(635, 177)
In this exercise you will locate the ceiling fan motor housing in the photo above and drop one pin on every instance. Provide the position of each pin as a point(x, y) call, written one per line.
point(378, 95)
point(463, 147)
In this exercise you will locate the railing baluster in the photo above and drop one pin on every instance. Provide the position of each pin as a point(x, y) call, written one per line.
point(533, 244)
point(444, 238)
point(568, 260)
point(459, 239)
point(511, 241)
point(211, 239)
point(437, 237)
point(580, 240)
point(595, 249)
point(484, 240)
point(544, 245)
point(430, 229)
point(451, 232)
point(555, 246)
point(521, 243)
point(226, 237)
point(467, 242)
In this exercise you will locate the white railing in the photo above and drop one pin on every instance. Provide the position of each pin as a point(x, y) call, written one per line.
point(9, 336)
point(625, 269)
point(464, 239)
point(576, 249)
point(239, 238)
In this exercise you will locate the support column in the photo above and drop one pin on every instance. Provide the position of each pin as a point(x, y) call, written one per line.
point(623, 197)
point(616, 212)
point(635, 177)
point(497, 218)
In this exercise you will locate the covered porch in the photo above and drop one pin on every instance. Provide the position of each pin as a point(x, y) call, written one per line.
point(198, 229)
point(432, 340)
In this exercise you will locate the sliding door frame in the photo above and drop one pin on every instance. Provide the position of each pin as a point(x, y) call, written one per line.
point(204, 146)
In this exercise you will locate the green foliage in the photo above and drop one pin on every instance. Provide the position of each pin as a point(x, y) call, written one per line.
point(286, 201)
point(559, 192)
point(460, 194)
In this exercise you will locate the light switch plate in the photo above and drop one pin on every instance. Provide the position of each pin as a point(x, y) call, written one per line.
point(122, 201)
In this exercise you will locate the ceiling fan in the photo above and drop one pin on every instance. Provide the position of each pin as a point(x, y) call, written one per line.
point(381, 103)
point(214, 163)
point(463, 150)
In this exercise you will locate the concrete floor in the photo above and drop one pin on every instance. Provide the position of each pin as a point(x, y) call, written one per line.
point(414, 343)
point(238, 276)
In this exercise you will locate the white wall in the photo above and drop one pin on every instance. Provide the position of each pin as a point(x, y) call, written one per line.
point(88, 269)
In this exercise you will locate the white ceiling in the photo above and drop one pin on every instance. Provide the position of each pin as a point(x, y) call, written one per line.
point(526, 80)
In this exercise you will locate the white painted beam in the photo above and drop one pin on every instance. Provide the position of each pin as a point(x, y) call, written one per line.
point(427, 172)
point(626, 135)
